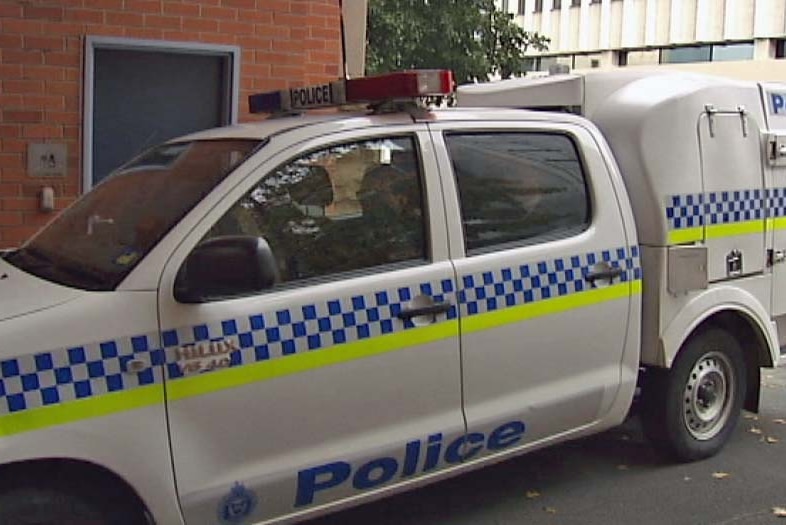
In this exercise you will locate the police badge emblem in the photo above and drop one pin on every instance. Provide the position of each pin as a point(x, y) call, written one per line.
point(237, 505)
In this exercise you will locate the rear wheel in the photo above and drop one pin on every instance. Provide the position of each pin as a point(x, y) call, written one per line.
point(691, 410)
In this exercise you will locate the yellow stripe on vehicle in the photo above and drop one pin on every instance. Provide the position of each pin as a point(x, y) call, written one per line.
point(686, 235)
point(515, 314)
point(77, 410)
point(717, 231)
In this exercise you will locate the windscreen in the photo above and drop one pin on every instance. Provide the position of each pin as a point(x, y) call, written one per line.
point(97, 241)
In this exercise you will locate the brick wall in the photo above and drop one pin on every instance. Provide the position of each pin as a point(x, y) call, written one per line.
point(283, 43)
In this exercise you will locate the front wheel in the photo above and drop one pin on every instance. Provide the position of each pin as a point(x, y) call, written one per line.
point(691, 410)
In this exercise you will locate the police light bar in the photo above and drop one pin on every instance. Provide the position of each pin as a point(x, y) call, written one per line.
point(405, 85)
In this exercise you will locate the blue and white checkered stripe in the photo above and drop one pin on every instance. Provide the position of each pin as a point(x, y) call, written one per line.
point(314, 326)
point(776, 202)
point(724, 207)
point(527, 283)
point(74, 373)
point(67, 374)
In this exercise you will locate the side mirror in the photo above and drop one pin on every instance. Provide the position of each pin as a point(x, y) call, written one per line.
point(227, 266)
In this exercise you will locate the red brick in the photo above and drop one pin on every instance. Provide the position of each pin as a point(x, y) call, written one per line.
point(288, 72)
point(253, 15)
point(42, 131)
point(51, 102)
point(10, 218)
point(13, 237)
point(216, 38)
point(288, 46)
point(10, 70)
point(72, 89)
point(11, 160)
point(10, 100)
point(46, 43)
point(10, 41)
point(287, 19)
point(20, 204)
point(164, 22)
point(43, 73)
point(8, 10)
point(9, 145)
point(10, 189)
point(68, 59)
point(104, 30)
point(22, 117)
point(327, 34)
point(273, 5)
point(144, 32)
point(323, 9)
point(64, 28)
point(242, 4)
point(125, 19)
point(271, 31)
point(105, 4)
point(220, 13)
point(143, 6)
point(36, 219)
point(201, 25)
point(10, 130)
point(174, 8)
point(64, 117)
point(254, 42)
point(88, 16)
point(235, 28)
point(13, 56)
point(23, 86)
point(22, 26)
point(43, 12)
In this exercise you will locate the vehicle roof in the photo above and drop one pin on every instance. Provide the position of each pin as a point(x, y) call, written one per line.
point(272, 126)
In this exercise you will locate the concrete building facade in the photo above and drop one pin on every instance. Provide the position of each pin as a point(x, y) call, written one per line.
point(742, 38)
point(85, 83)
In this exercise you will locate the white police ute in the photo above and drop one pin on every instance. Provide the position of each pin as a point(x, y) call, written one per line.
point(268, 322)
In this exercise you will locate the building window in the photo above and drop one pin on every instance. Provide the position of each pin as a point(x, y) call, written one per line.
point(588, 61)
point(647, 57)
point(522, 7)
point(556, 5)
point(505, 6)
point(738, 51)
point(682, 55)
point(538, 6)
point(517, 188)
point(575, 3)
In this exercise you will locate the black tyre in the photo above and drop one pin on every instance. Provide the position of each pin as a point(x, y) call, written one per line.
point(30, 501)
point(691, 410)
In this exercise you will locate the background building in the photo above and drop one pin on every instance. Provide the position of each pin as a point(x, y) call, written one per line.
point(739, 38)
point(85, 84)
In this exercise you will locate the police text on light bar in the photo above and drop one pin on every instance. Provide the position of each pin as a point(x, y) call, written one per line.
point(404, 85)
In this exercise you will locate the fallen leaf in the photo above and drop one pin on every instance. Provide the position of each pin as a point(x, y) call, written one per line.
point(779, 511)
point(625, 437)
point(622, 467)
point(771, 439)
point(532, 494)
point(754, 430)
point(686, 478)
point(720, 475)
point(754, 417)
point(550, 510)
point(779, 421)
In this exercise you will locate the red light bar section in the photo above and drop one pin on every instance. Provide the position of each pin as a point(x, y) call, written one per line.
point(405, 85)
point(398, 86)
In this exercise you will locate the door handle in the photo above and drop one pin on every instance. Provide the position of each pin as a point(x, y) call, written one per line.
point(607, 272)
point(432, 309)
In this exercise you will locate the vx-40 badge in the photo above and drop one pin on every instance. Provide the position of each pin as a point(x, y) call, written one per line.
point(205, 356)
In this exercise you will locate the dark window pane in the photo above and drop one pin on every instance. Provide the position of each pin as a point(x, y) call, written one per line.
point(680, 55)
point(518, 186)
point(344, 208)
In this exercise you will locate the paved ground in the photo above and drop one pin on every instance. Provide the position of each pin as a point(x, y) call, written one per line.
point(612, 478)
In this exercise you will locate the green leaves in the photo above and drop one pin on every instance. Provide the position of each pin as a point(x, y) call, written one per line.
point(471, 37)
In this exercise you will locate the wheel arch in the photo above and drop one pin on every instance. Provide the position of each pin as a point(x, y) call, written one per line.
point(65, 469)
point(743, 316)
